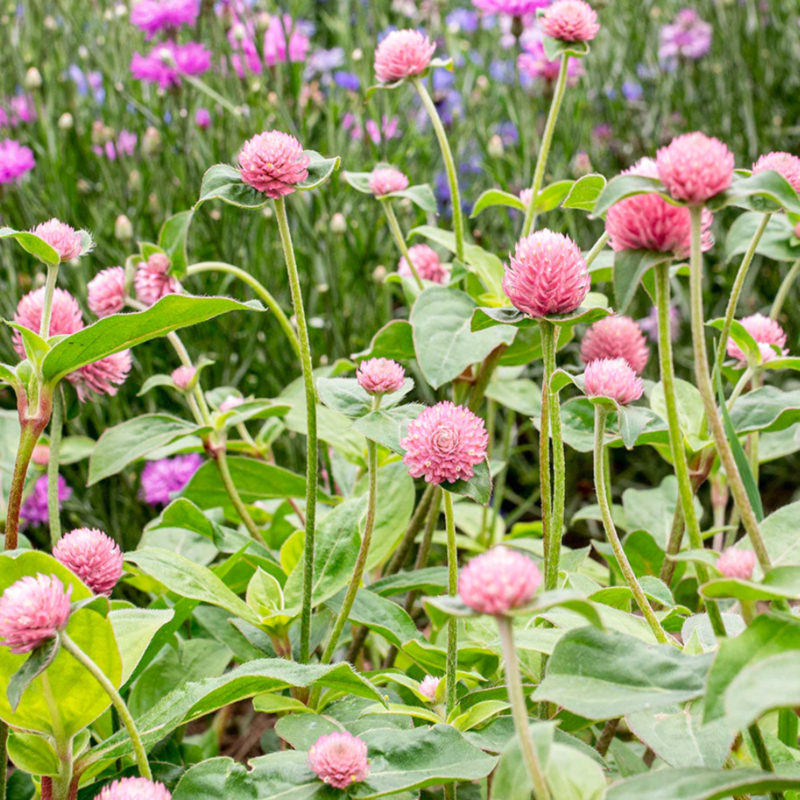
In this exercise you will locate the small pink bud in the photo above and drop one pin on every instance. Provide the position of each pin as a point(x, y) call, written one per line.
point(735, 563)
point(230, 402)
point(41, 455)
point(570, 21)
point(403, 54)
point(339, 759)
point(427, 263)
point(612, 378)
point(695, 167)
point(498, 581)
point(33, 610)
point(134, 789)
point(273, 163)
point(183, 377)
point(380, 375)
point(616, 337)
point(64, 240)
point(428, 686)
point(93, 556)
point(386, 180)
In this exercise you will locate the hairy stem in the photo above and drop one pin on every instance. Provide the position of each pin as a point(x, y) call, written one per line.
point(47, 304)
point(56, 429)
point(29, 435)
point(221, 460)
point(452, 589)
point(785, 288)
point(394, 227)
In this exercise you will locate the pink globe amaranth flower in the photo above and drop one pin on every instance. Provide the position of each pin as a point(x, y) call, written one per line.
point(403, 54)
point(107, 292)
point(134, 789)
point(163, 478)
point(535, 64)
point(273, 163)
point(230, 402)
point(514, 8)
point(428, 686)
point(339, 759)
point(444, 443)
point(766, 332)
point(102, 377)
point(152, 280)
point(153, 16)
point(33, 610)
point(93, 556)
point(15, 160)
point(784, 164)
point(695, 167)
point(427, 262)
point(380, 375)
point(616, 337)
point(498, 581)
point(386, 180)
point(66, 241)
point(547, 275)
point(34, 510)
point(570, 21)
point(41, 455)
point(735, 563)
point(65, 317)
point(612, 378)
point(183, 377)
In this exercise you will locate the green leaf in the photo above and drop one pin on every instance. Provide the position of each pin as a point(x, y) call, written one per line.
point(742, 337)
point(379, 615)
point(496, 197)
point(121, 331)
point(394, 340)
point(214, 779)
point(477, 488)
point(32, 753)
point(625, 186)
point(555, 48)
point(32, 244)
point(224, 182)
point(420, 195)
point(319, 170)
point(36, 348)
point(172, 240)
point(763, 191)
point(584, 192)
point(511, 780)
point(630, 267)
point(766, 409)
point(779, 583)
point(37, 662)
point(775, 242)
point(359, 180)
point(134, 629)
point(388, 426)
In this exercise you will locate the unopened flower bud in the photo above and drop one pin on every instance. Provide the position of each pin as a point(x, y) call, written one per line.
point(151, 141)
point(338, 223)
point(33, 79)
point(65, 121)
point(123, 229)
point(495, 147)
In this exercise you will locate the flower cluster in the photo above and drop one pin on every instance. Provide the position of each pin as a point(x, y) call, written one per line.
point(163, 478)
point(498, 581)
point(614, 379)
point(33, 610)
point(767, 333)
point(616, 337)
point(339, 759)
point(380, 376)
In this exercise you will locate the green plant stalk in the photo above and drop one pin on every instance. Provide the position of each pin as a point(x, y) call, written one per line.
point(203, 87)
point(451, 666)
point(787, 727)
point(762, 753)
point(47, 304)
point(417, 520)
point(597, 248)
point(261, 291)
point(519, 710)
point(56, 430)
point(784, 289)
point(680, 464)
point(3, 758)
point(703, 380)
point(449, 165)
point(600, 415)
point(59, 784)
point(311, 423)
point(397, 233)
point(221, 460)
point(547, 141)
point(116, 699)
point(738, 283)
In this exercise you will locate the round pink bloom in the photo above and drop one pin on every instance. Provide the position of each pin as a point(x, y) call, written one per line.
point(380, 375)
point(134, 789)
point(514, 8)
point(339, 759)
point(15, 160)
point(93, 556)
point(616, 337)
point(64, 240)
point(102, 377)
point(695, 167)
point(547, 275)
point(41, 455)
point(570, 21)
point(784, 164)
point(428, 686)
point(272, 163)
point(33, 610)
point(183, 376)
point(65, 317)
point(498, 581)
point(766, 332)
point(386, 180)
point(230, 402)
point(403, 54)
point(107, 292)
point(427, 263)
point(444, 443)
point(734, 563)
point(153, 281)
point(612, 378)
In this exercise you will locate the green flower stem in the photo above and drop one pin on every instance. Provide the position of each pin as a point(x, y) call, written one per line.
point(28, 437)
point(597, 248)
point(427, 539)
point(449, 165)
point(451, 666)
point(703, 380)
point(673, 545)
point(394, 227)
point(119, 704)
point(519, 710)
point(221, 460)
point(3, 758)
point(261, 291)
point(553, 526)
point(681, 465)
point(311, 423)
point(741, 385)
point(547, 140)
point(500, 486)
point(785, 288)
point(760, 746)
point(47, 305)
point(738, 283)
point(56, 430)
point(600, 415)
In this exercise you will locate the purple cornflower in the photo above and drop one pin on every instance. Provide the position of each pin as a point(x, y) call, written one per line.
point(163, 478)
point(462, 19)
point(15, 160)
point(687, 36)
point(347, 80)
point(153, 16)
point(632, 91)
point(34, 509)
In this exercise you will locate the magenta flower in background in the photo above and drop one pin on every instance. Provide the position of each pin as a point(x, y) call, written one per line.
point(19, 109)
point(202, 118)
point(535, 65)
point(165, 63)
point(498, 581)
point(34, 509)
point(107, 292)
point(514, 8)
point(163, 478)
point(688, 36)
point(153, 16)
point(134, 789)
point(152, 280)
point(766, 332)
point(428, 265)
point(616, 337)
point(278, 30)
point(272, 163)
point(33, 610)
point(93, 556)
point(735, 563)
point(613, 378)
point(15, 160)
point(339, 759)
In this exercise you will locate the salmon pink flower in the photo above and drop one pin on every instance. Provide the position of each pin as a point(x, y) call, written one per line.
point(616, 337)
point(93, 556)
point(153, 281)
point(380, 376)
point(107, 292)
point(427, 263)
point(33, 610)
point(183, 377)
point(386, 180)
point(339, 759)
point(403, 54)
point(735, 563)
point(612, 378)
point(785, 164)
point(767, 332)
point(134, 789)
point(66, 241)
point(498, 581)
point(570, 21)
point(695, 167)
point(273, 163)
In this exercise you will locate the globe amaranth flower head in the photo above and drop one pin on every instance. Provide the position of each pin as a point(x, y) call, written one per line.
point(735, 563)
point(616, 337)
point(380, 375)
point(695, 167)
point(273, 163)
point(612, 378)
point(93, 556)
point(784, 164)
point(444, 443)
point(570, 21)
point(534, 64)
point(649, 222)
point(107, 292)
point(767, 332)
point(134, 789)
point(152, 280)
point(498, 581)
point(66, 241)
point(385, 180)
point(34, 510)
point(153, 16)
point(166, 62)
point(339, 759)
point(163, 478)
point(514, 8)
point(427, 263)
point(428, 686)
point(546, 275)
point(102, 377)
point(183, 377)
point(33, 610)
point(65, 317)
point(403, 54)
point(15, 160)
